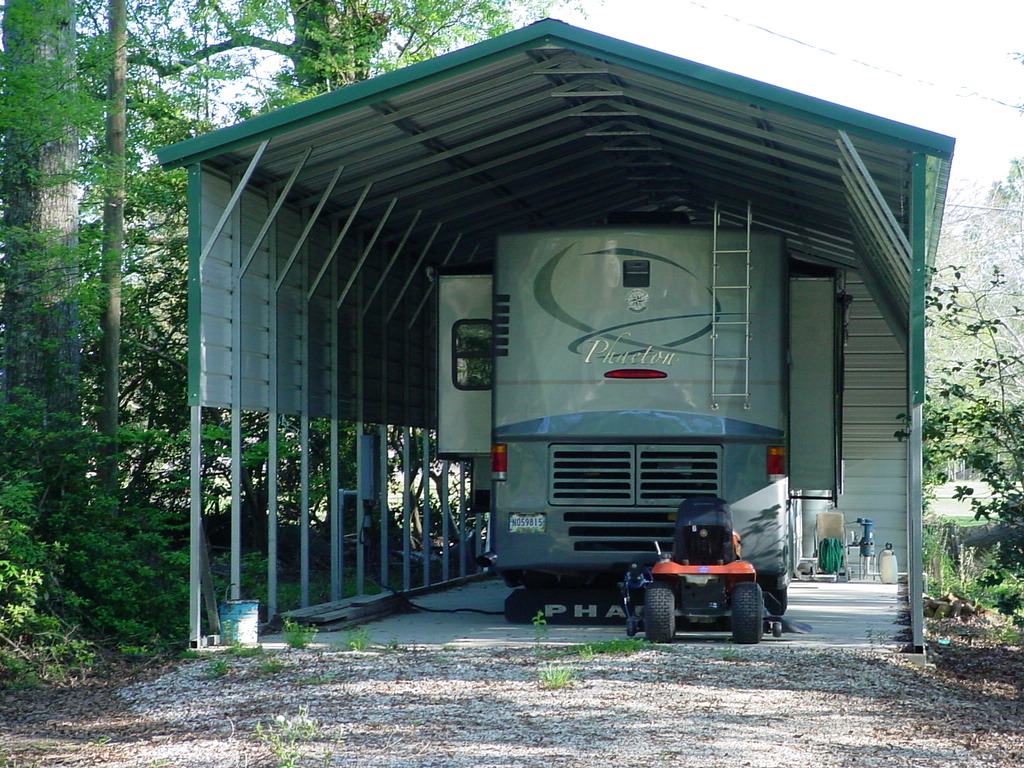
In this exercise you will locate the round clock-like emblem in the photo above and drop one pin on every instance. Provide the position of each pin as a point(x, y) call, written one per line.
point(636, 300)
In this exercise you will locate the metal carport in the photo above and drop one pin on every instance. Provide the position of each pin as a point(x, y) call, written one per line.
point(313, 228)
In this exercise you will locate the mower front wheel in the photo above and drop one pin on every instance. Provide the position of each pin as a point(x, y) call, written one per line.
point(659, 612)
point(747, 613)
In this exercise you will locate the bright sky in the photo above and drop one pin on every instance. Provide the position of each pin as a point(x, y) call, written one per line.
point(945, 66)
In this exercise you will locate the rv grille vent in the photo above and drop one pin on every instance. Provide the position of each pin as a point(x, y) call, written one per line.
point(627, 475)
point(592, 474)
point(669, 474)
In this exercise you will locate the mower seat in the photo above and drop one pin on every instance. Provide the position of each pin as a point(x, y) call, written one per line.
point(704, 534)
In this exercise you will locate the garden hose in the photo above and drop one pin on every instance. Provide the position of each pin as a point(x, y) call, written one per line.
point(830, 555)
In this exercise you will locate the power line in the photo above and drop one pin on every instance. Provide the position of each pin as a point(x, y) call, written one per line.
point(967, 92)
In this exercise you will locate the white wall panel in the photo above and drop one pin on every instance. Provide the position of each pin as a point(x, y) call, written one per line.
point(874, 459)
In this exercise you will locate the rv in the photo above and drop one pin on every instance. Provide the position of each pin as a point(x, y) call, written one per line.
point(599, 377)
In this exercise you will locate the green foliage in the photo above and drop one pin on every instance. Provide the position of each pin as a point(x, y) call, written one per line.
point(358, 639)
point(284, 735)
point(555, 677)
point(298, 635)
point(540, 627)
point(974, 417)
point(217, 668)
point(70, 567)
point(624, 646)
point(77, 565)
point(270, 667)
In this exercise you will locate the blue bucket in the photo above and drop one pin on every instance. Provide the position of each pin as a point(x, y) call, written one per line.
point(239, 622)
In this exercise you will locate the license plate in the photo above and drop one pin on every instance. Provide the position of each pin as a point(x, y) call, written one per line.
point(527, 523)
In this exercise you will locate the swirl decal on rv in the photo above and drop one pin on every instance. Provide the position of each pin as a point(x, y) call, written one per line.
point(638, 342)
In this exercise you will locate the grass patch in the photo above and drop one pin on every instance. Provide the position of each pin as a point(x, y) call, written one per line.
point(623, 646)
point(298, 635)
point(555, 677)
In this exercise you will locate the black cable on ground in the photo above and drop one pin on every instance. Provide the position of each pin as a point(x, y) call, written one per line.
point(402, 596)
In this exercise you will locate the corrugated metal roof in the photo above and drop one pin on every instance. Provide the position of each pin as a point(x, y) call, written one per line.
point(553, 126)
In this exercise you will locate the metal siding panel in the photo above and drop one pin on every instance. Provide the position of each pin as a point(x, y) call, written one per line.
point(255, 306)
point(291, 305)
point(215, 287)
point(874, 396)
point(877, 489)
point(319, 356)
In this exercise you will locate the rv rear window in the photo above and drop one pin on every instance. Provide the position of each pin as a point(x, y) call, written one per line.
point(473, 356)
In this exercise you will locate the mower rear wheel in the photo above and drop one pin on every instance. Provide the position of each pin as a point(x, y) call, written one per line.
point(776, 600)
point(747, 613)
point(659, 612)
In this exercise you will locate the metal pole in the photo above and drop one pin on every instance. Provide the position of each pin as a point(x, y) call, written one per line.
point(446, 511)
point(334, 483)
point(361, 459)
point(427, 293)
point(361, 494)
point(235, 588)
point(406, 507)
point(304, 357)
point(385, 511)
point(461, 524)
point(426, 507)
point(195, 592)
point(273, 456)
point(391, 262)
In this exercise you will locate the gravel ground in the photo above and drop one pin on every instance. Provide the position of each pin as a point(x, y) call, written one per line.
point(716, 705)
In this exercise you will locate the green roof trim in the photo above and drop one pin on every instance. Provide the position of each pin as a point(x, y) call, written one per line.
point(551, 32)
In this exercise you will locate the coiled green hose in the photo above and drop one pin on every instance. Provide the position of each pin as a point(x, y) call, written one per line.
point(830, 555)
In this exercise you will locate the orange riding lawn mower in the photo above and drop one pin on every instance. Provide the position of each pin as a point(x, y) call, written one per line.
point(702, 585)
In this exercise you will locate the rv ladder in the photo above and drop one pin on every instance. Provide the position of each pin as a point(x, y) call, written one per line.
point(730, 317)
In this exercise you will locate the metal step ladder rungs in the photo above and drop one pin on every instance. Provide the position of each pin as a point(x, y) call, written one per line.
point(730, 367)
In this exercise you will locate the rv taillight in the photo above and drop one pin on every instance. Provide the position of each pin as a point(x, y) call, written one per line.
point(776, 462)
point(499, 461)
point(635, 373)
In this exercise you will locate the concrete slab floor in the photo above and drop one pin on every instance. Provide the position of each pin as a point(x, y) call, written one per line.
point(856, 614)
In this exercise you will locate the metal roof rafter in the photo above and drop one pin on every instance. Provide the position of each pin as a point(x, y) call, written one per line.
point(236, 195)
point(268, 222)
point(337, 242)
point(468, 147)
point(503, 159)
point(416, 267)
point(396, 252)
point(439, 201)
point(310, 221)
point(362, 259)
point(410, 138)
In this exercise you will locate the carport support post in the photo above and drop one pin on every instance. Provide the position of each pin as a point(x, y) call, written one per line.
point(426, 505)
point(916, 350)
point(406, 506)
point(235, 588)
point(195, 528)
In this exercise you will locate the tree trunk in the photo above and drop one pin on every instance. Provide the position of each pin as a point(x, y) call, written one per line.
point(40, 222)
point(113, 243)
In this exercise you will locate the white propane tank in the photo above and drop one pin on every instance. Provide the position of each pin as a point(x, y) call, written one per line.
point(887, 566)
